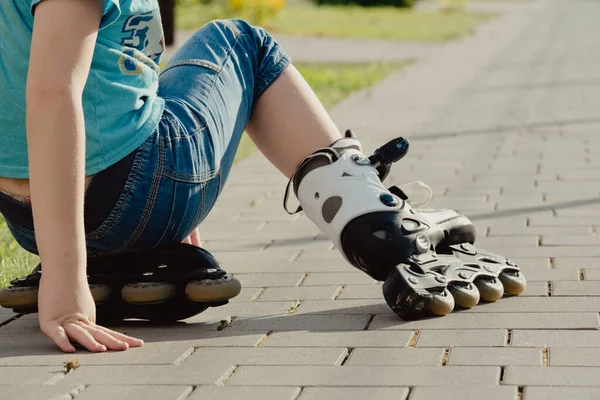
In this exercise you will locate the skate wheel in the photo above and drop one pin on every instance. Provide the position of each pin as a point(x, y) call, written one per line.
point(490, 289)
point(100, 292)
point(513, 281)
point(148, 292)
point(208, 290)
point(442, 303)
point(465, 296)
point(19, 297)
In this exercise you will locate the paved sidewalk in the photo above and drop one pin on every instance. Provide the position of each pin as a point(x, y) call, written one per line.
point(504, 127)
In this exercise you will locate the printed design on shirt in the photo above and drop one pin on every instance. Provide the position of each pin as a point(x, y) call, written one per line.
point(143, 43)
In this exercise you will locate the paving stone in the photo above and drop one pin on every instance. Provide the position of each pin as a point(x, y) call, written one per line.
point(365, 376)
point(193, 337)
point(247, 309)
point(42, 353)
point(508, 202)
point(555, 251)
point(5, 315)
point(555, 376)
point(571, 240)
point(235, 245)
point(347, 393)
point(561, 393)
point(300, 229)
point(254, 216)
point(587, 263)
point(337, 278)
point(353, 339)
point(566, 338)
point(286, 266)
point(268, 356)
point(491, 321)
point(269, 260)
point(592, 274)
point(259, 280)
point(466, 393)
point(59, 391)
point(344, 307)
point(540, 230)
point(519, 304)
point(461, 338)
point(494, 356)
point(243, 392)
point(133, 375)
point(372, 291)
point(117, 392)
point(581, 288)
point(219, 231)
point(299, 293)
point(539, 220)
point(575, 357)
point(29, 375)
point(246, 294)
point(534, 274)
point(507, 241)
point(301, 322)
point(396, 356)
point(319, 243)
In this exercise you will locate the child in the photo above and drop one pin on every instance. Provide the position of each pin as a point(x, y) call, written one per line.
point(86, 118)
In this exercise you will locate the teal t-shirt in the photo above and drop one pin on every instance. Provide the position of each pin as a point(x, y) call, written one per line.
point(120, 101)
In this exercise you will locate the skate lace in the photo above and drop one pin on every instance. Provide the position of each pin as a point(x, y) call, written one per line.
point(418, 193)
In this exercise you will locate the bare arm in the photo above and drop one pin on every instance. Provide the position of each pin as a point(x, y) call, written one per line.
point(64, 37)
point(63, 42)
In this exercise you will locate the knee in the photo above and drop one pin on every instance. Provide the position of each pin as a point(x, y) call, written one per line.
point(240, 27)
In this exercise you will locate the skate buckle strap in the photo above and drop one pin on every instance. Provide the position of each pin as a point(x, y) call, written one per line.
point(320, 152)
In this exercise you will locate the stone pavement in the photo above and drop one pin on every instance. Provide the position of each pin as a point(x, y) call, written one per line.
point(504, 127)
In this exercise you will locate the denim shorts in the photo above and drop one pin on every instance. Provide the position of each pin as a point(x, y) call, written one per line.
point(165, 188)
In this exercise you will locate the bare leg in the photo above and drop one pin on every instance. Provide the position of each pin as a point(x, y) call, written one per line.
point(194, 238)
point(289, 122)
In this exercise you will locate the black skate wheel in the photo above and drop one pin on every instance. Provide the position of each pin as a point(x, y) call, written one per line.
point(513, 281)
point(490, 289)
point(208, 290)
point(19, 297)
point(442, 303)
point(148, 292)
point(465, 296)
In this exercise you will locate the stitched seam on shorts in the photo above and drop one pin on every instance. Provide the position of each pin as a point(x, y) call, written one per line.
point(231, 26)
point(168, 225)
point(195, 63)
point(191, 178)
point(151, 200)
point(200, 209)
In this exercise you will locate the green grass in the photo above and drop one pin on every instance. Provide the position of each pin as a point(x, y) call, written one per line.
point(351, 22)
point(331, 83)
point(14, 261)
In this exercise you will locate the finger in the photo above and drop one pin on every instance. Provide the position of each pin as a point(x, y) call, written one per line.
point(83, 337)
point(131, 341)
point(108, 340)
point(58, 335)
